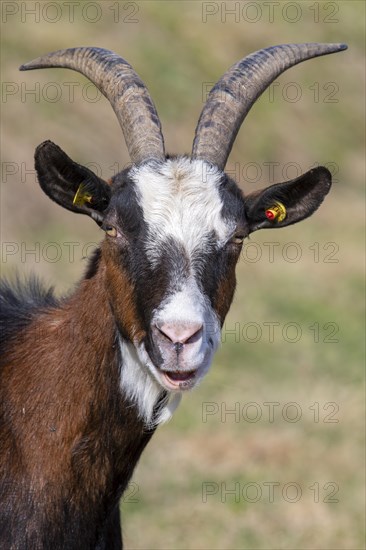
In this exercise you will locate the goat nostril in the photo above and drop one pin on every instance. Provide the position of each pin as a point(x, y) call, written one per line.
point(194, 336)
point(180, 334)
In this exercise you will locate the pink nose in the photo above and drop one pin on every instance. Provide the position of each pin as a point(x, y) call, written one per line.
point(181, 333)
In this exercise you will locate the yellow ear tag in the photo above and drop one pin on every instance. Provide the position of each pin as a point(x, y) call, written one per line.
point(276, 212)
point(81, 196)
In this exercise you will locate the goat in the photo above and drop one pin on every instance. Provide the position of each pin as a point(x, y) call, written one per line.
point(85, 380)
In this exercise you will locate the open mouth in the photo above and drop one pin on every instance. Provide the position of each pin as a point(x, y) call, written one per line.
point(179, 380)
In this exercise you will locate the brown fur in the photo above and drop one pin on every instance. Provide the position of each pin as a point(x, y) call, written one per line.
point(225, 289)
point(66, 434)
point(122, 296)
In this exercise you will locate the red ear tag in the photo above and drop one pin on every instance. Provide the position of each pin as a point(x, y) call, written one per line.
point(270, 214)
point(276, 212)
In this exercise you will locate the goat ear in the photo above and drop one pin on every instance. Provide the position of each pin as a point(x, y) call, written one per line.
point(289, 202)
point(71, 185)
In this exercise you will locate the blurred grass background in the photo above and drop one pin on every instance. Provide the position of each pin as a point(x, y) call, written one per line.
point(179, 48)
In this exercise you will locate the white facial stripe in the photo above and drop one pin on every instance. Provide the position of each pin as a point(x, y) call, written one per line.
point(181, 200)
point(186, 306)
point(189, 306)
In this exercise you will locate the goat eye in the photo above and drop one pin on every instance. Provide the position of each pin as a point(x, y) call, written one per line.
point(237, 239)
point(110, 230)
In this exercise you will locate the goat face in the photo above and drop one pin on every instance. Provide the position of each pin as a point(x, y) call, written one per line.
point(175, 226)
point(174, 232)
point(178, 228)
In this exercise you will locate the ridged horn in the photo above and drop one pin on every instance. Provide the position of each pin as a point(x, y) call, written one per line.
point(123, 88)
point(233, 95)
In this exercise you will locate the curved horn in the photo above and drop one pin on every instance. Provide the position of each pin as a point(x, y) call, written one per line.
point(123, 88)
point(234, 94)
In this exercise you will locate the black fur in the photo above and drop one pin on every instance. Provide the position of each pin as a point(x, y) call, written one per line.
point(93, 264)
point(60, 178)
point(301, 197)
point(20, 302)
